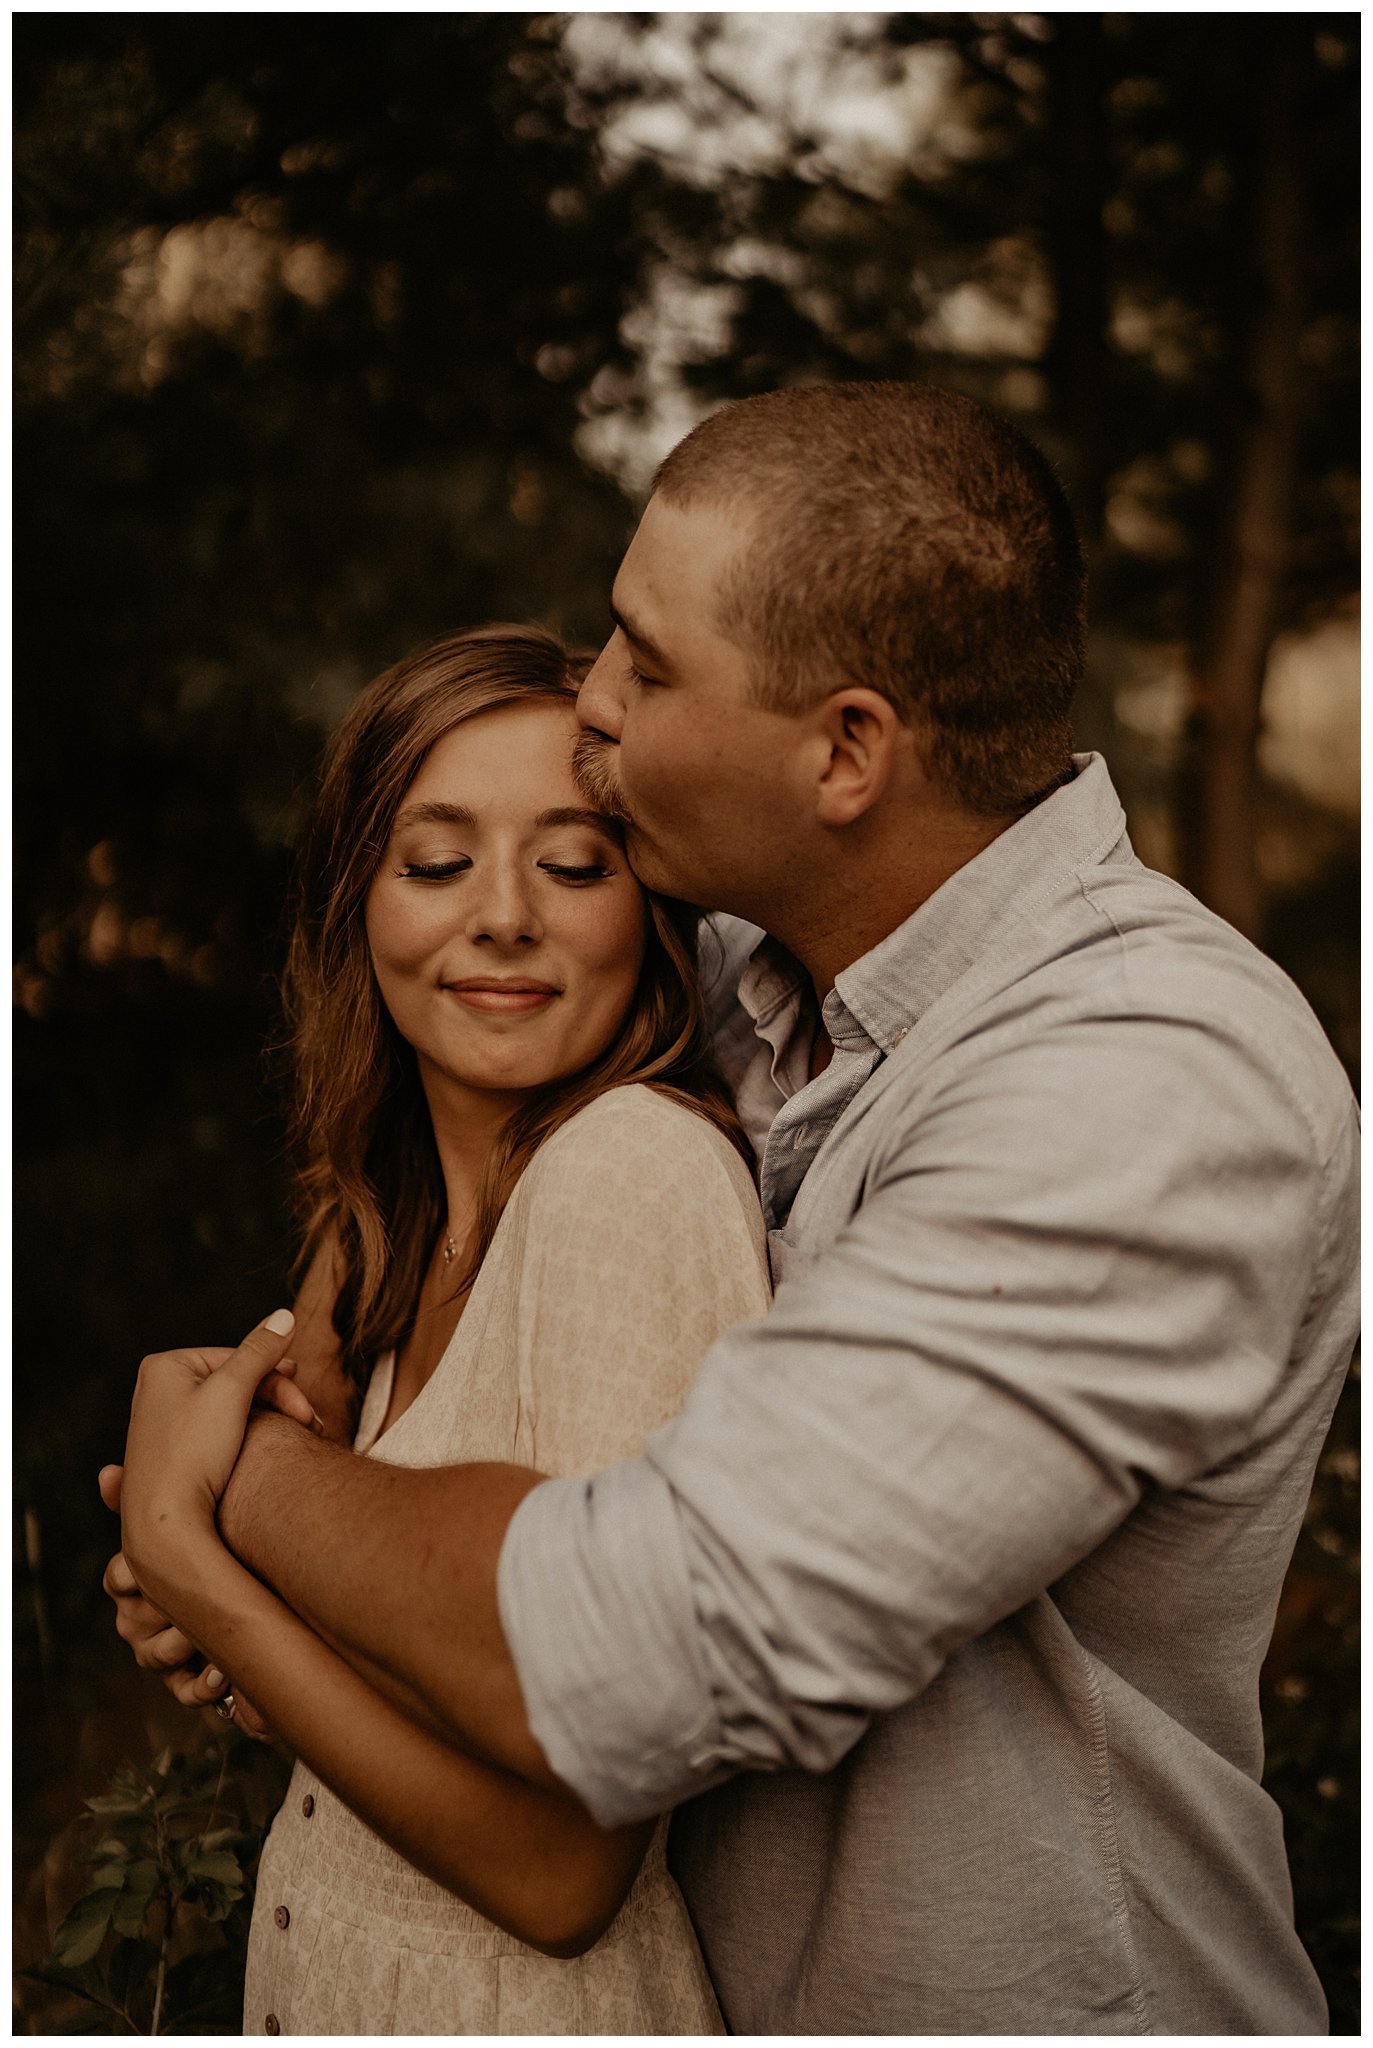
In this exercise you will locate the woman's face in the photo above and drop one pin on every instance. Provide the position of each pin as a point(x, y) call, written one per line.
point(505, 927)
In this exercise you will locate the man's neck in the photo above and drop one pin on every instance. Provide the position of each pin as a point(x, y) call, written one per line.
point(864, 901)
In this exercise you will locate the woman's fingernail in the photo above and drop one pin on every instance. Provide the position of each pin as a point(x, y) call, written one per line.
point(280, 1322)
point(213, 1678)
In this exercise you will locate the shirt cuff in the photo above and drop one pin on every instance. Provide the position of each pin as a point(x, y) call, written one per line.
point(595, 1600)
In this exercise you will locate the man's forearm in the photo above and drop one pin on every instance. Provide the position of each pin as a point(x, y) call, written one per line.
point(397, 1568)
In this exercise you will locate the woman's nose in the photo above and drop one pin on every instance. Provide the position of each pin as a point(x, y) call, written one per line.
point(501, 908)
point(601, 698)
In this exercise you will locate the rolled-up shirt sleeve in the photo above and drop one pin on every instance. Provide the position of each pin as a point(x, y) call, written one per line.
point(1075, 1274)
point(611, 1663)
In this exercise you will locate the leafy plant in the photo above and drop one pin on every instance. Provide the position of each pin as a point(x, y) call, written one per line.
point(156, 1942)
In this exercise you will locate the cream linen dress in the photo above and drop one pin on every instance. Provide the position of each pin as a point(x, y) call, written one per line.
point(632, 1240)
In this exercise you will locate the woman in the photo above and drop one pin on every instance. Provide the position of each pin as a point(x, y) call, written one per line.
point(529, 1216)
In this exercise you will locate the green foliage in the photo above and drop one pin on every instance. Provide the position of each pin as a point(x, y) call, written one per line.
point(155, 1943)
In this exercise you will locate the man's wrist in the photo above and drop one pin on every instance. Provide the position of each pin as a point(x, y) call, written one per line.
point(260, 1486)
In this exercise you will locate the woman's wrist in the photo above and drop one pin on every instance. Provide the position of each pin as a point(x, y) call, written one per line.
point(196, 1582)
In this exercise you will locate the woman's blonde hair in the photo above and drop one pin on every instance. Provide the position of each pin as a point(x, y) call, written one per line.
point(369, 1175)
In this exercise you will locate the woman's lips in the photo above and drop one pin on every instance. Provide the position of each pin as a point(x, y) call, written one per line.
point(502, 998)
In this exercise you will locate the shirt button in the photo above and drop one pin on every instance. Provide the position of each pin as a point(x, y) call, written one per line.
point(899, 1039)
point(307, 1804)
point(271, 2025)
point(282, 1917)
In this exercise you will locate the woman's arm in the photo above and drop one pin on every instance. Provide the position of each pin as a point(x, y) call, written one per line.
point(529, 1858)
point(396, 1566)
point(526, 1856)
point(316, 1350)
point(645, 1241)
point(317, 1378)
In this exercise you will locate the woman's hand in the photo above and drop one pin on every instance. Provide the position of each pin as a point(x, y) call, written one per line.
point(158, 1644)
point(190, 1409)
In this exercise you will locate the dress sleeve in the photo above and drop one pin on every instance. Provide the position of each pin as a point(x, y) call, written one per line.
point(643, 1241)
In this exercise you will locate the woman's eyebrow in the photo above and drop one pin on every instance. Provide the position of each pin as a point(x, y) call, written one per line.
point(458, 814)
point(437, 814)
point(599, 821)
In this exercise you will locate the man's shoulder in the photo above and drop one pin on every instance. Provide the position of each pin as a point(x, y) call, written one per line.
point(1176, 962)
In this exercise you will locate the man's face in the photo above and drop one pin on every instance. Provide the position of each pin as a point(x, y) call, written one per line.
point(707, 782)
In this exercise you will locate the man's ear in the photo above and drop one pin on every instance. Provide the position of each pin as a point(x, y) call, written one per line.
point(861, 733)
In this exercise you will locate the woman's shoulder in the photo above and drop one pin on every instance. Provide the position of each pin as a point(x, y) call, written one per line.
point(634, 1172)
point(633, 1144)
point(643, 1121)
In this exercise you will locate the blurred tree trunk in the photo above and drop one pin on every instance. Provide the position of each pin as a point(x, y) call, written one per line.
point(1219, 784)
point(1076, 242)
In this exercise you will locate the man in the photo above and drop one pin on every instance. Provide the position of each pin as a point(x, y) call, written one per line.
point(949, 1588)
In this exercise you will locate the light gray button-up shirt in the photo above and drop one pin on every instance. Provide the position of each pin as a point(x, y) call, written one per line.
point(967, 1556)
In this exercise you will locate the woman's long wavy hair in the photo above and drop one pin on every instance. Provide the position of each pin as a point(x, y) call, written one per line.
point(369, 1178)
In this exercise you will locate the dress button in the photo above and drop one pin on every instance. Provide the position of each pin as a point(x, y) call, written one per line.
point(307, 1804)
point(282, 1917)
point(271, 2025)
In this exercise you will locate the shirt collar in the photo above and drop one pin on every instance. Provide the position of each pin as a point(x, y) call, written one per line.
point(882, 994)
point(770, 979)
point(889, 988)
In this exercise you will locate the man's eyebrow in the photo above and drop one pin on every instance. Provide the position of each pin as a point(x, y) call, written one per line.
point(637, 635)
point(437, 814)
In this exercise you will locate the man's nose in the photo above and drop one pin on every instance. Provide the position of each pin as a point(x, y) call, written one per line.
point(501, 907)
point(601, 698)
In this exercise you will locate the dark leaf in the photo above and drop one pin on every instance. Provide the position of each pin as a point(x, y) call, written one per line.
point(217, 1901)
point(218, 1866)
point(111, 1848)
point(113, 1803)
point(140, 1888)
point(84, 1928)
point(86, 1981)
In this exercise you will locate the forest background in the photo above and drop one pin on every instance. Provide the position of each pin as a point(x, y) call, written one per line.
point(335, 332)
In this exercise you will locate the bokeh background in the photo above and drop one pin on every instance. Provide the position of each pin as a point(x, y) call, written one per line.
point(338, 331)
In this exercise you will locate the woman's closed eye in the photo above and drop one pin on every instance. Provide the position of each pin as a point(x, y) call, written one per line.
point(433, 870)
point(445, 870)
point(596, 871)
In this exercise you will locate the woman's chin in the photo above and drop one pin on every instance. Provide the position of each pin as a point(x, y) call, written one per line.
point(515, 1076)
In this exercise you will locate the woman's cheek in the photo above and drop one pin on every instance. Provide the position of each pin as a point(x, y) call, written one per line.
point(401, 931)
point(622, 937)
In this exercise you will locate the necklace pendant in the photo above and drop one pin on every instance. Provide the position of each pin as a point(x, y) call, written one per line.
point(450, 1252)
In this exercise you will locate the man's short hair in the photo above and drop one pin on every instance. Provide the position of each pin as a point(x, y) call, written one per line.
point(907, 539)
